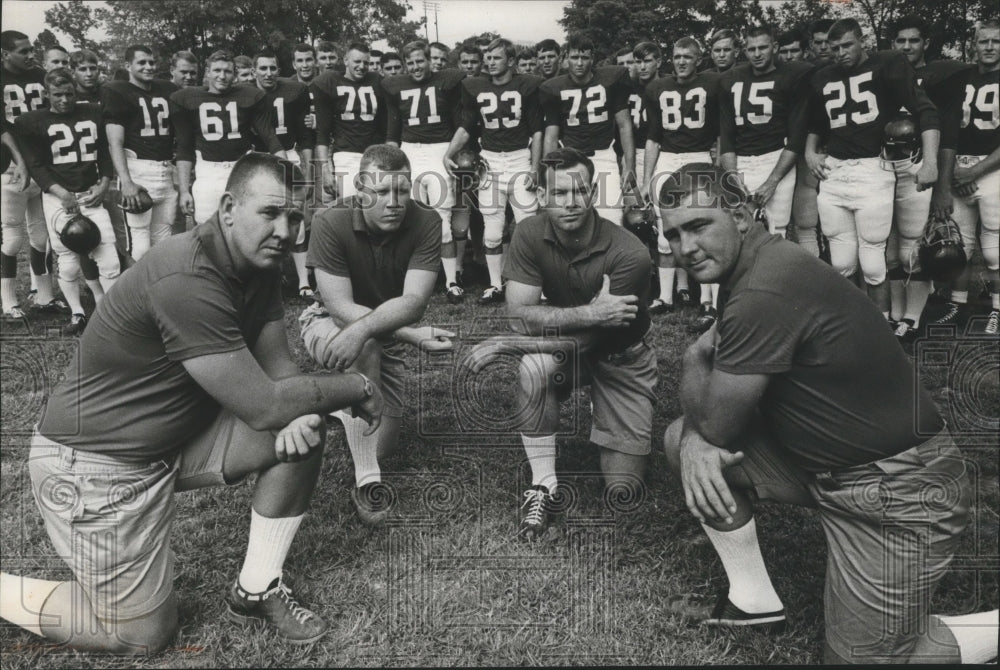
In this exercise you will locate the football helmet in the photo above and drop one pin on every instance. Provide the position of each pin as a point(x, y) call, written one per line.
point(901, 148)
point(80, 234)
point(472, 171)
point(941, 252)
point(641, 222)
point(145, 202)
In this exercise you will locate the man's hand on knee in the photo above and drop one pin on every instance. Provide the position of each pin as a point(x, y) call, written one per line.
point(297, 440)
point(706, 492)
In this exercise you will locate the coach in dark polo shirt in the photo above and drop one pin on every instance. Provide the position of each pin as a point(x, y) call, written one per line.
point(183, 380)
point(801, 395)
point(595, 275)
point(376, 255)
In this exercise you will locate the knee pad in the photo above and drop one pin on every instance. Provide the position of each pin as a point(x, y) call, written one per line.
point(106, 258)
point(69, 266)
point(872, 265)
point(13, 238)
point(991, 253)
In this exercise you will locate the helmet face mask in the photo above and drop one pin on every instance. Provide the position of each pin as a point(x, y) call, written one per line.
point(901, 146)
point(941, 252)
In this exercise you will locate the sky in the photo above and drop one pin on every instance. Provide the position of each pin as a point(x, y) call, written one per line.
point(518, 20)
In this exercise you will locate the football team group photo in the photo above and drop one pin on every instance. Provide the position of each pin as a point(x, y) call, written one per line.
point(524, 332)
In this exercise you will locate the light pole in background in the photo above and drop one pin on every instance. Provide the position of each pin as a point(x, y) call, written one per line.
point(435, 6)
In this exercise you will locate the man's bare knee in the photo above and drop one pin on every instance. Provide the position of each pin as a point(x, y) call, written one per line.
point(146, 635)
point(536, 373)
point(672, 444)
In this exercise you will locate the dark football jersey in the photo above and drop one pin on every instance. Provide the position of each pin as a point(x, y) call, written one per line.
point(426, 112)
point(638, 110)
point(943, 80)
point(92, 95)
point(5, 155)
point(70, 150)
point(505, 116)
point(977, 119)
point(852, 108)
point(353, 112)
point(585, 113)
point(289, 101)
point(684, 117)
point(763, 113)
point(145, 116)
point(23, 92)
point(221, 126)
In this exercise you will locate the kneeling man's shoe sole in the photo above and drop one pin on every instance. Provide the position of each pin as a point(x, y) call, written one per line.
point(276, 608)
point(724, 614)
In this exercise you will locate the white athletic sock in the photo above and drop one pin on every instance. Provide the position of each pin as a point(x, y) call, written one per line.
point(714, 290)
point(364, 449)
point(42, 284)
point(897, 299)
point(996, 300)
point(917, 293)
point(494, 263)
point(299, 258)
point(541, 452)
point(976, 635)
point(71, 291)
point(8, 292)
point(460, 254)
point(750, 587)
point(450, 267)
point(667, 284)
point(270, 540)
point(682, 279)
point(960, 297)
point(22, 598)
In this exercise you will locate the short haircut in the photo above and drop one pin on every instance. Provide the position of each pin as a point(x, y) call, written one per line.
point(643, 49)
point(221, 55)
point(247, 167)
point(185, 56)
point(483, 42)
point(509, 50)
point(526, 53)
point(242, 62)
point(579, 42)
point(720, 185)
point(60, 76)
point(266, 52)
point(302, 47)
point(790, 36)
point(761, 31)
point(358, 46)
point(564, 159)
point(989, 24)
point(10, 38)
point(688, 43)
point(78, 58)
point(390, 55)
point(375, 53)
point(548, 45)
point(724, 34)
point(416, 45)
point(325, 46)
point(384, 157)
point(624, 51)
point(471, 49)
point(54, 47)
point(132, 49)
point(439, 46)
point(820, 26)
point(843, 26)
point(911, 21)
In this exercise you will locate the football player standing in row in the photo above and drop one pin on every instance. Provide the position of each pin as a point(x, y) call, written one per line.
point(851, 103)
point(724, 49)
point(790, 48)
point(215, 125)
point(908, 287)
point(21, 204)
point(549, 58)
point(976, 176)
point(527, 61)
point(54, 57)
point(470, 63)
point(683, 128)
point(141, 141)
point(582, 109)
point(67, 154)
point(423, 109)
point(763, 110)
point(184, 69)
point(503, 109)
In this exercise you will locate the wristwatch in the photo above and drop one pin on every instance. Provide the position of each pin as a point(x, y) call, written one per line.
point(369, 386)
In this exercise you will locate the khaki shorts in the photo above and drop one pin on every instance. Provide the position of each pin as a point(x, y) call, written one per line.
point(317, 327)
point(110, 520)
point(891, 530)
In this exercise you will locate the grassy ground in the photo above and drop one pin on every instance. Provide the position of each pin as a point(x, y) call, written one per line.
point(445, 582)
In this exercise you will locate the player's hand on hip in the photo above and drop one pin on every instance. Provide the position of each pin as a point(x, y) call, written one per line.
point(817, 165)
point(344, 348)
point(962, 180)
point(19, 178)
point(295, 441)
point(431, 338)
point(91, 198)
point(613, 310)
point(69, 202)
point(764, 192)
point(449, 165)
point(706, 492)
point(926, 176)
point(370, 409)
point(186, 202)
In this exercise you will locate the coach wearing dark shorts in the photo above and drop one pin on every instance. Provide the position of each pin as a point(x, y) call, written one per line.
point(183, 380)
point(801, 395)
point(595, 275)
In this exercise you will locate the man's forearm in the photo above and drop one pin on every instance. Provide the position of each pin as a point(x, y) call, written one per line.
point(930, 140)
point(300, 394)
point(786, 161)
point(184, 175)
point(540, 318)
point(116, 147)
point(391, 316)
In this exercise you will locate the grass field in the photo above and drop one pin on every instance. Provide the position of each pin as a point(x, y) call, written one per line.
point(445, 582)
